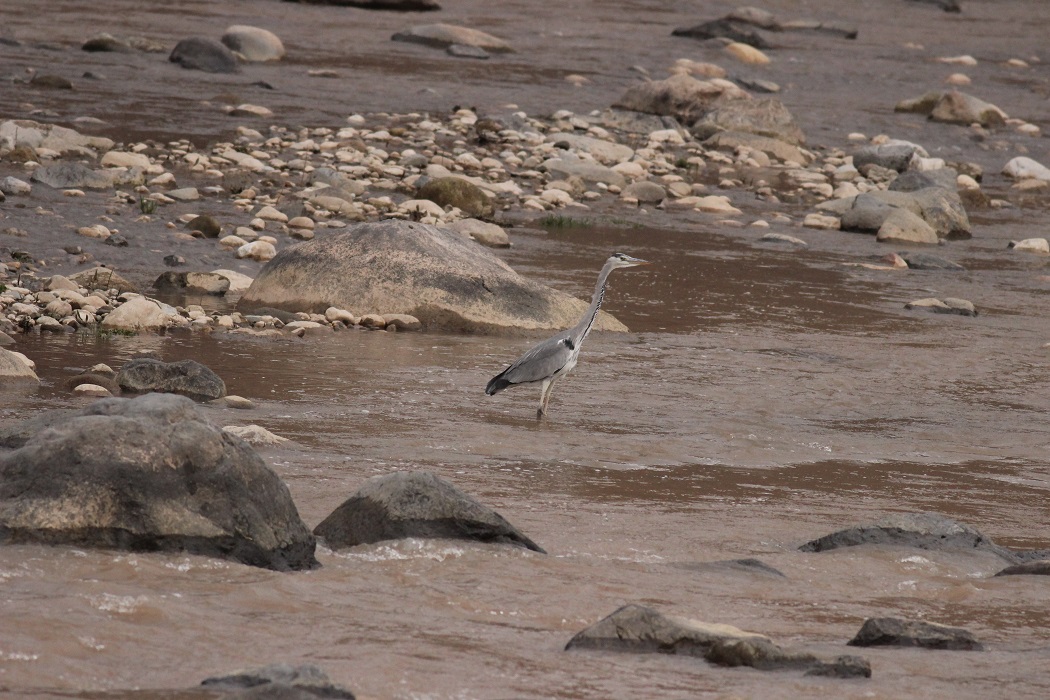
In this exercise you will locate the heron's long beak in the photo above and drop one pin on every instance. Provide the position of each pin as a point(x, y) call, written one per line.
point(637, 261)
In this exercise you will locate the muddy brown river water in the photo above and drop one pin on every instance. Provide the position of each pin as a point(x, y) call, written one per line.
point(763, 397)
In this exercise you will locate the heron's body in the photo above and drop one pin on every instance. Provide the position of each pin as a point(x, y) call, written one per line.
point(555, 357)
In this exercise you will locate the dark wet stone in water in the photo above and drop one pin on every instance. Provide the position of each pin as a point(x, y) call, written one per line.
point(106, 42)
point(892, 631)
point(914, 180)
point(930, 531)
point(150, 474)
point(733, 565)
point(732, 29)
point(1040, 567)
point(946, 5)
point(204, 54)
point(197, 282)
point(925, 261)
point(174, 260)
point(280, 682)
point(52, 82)
point(208, 225)
point(415, 504)
point(93, 378)
point(280, 314)
point(638, 629)
point(117, 240)
point(187, 377)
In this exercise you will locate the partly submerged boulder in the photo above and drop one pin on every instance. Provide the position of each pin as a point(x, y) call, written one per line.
point(443, 35)
point(276, 682)
point(919, 530)
point(187, 377)
point(638, 629)
point(892, 631)
point(204, 54)
point(150, 474)
point(680, 96)
point(415, 504)
point(394, 266)
point(14, 371)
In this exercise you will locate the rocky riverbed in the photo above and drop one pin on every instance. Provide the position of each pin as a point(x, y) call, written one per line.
point(845, 324)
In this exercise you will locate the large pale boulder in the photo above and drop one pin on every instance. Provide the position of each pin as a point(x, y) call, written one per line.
point(149, 474)
point(253, 43)
point(14, 370)
point(394, 266)
point(138, 314)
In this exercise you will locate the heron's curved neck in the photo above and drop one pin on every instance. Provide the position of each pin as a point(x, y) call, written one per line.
point(584, 326)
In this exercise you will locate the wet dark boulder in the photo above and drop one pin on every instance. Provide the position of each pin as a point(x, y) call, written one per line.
point(150, 474)
point(204, 54)
point(277, 682)
point(744, 566)
point(930, 531)
point(193, 282)
point(946, 5)
point(726, 28)
point(1038, 567)
point(209, 226)
point(925, 261)
point(638, 629)
point(914, 180)
point(399, 267)
point(415, 504)
point(186, 377)
point(457, 192)
point(895, 632)
point(894, 156)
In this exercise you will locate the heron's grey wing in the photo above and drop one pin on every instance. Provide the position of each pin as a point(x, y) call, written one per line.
point(540, 362)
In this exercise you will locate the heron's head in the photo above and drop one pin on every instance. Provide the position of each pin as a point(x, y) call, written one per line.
point(625, 260)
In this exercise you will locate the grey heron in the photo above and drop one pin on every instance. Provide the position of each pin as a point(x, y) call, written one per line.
point(555, 357)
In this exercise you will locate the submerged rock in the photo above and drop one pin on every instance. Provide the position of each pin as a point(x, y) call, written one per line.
point(948, 305)
point(920, 530)
point(204, 54)
point(638, 629)
point(279, 682)
point(1039, 567)
point(187, 377)
point(415, 504)
point(443, 36)
point(892, 631)
point(393, 266)
point(150, 474)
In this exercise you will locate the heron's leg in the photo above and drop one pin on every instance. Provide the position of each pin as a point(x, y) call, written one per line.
point(548, 389)
point(545, 395)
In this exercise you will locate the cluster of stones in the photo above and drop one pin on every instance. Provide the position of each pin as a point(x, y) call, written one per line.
point(100, 299)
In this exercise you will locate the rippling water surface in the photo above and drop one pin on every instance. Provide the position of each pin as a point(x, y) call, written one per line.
point(763, 397)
